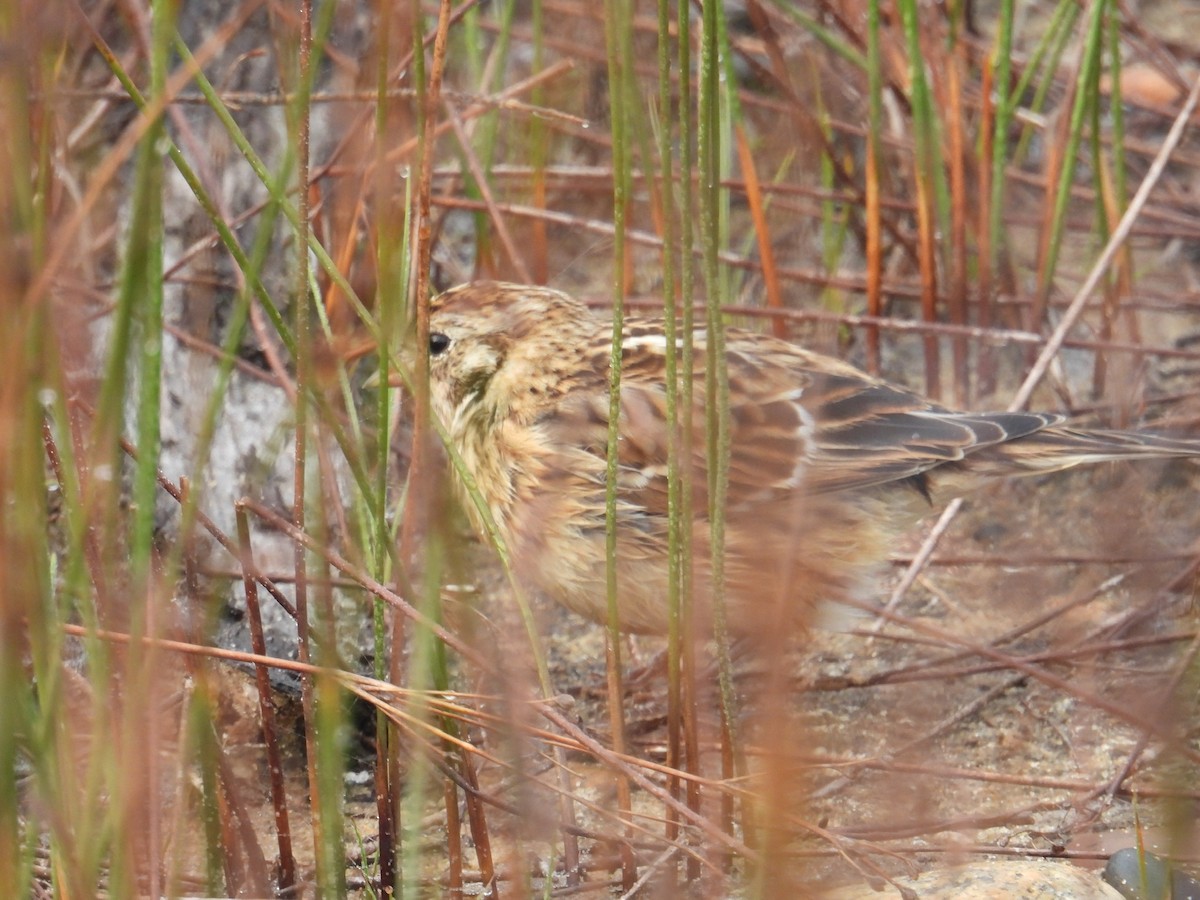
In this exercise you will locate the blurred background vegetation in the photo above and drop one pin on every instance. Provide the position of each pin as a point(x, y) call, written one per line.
point(242, 653)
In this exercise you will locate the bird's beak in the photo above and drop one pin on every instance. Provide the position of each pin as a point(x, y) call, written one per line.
point(395, 380)
point(405, 362)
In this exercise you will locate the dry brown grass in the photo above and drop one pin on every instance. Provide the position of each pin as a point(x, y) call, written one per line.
point(1031, 694)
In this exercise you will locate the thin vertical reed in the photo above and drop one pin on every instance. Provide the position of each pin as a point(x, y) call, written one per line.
point(283, 830)
point(689, 700)
point(391, 264)
point(710, 131)
point(620, 91)
point(985, 361)
point(956, 118)
point(927, 181)
point(677, 528)
point(873, 175)
point(1084, 98)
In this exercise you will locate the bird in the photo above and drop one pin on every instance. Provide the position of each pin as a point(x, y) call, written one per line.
point(827, 466)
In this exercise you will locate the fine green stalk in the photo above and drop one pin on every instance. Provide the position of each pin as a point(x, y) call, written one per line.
point(390, 298)
point(489, 124)
point(488, 128)
point(201, 745)
point(1085, 94)
point(619, 72)
point(710, 131)
point(142, 281)
point(618, 26)
point(418, 782)
point(1110, 196)
point(539, 149)
point(687, 293)
point(830, 39)
point(926, 127)
point(392, 266)
point(321, 694)
point(675, 522)
point(427, 670)
point(469, 46)
point(686, 664)
point(1116, 115)
point(75, 599)
point(1051, 49)
point(835, 213)
point(728, 111)
point(29, 617)
point(1116, 112)
point(140, 297)
point(1095, 129)
point(1005, 104)
point(428, 663)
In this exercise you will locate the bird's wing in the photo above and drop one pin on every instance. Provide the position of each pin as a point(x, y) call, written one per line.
point(870, 432)
point(797, 421)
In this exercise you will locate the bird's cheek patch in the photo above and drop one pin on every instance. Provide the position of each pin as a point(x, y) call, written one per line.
point(479, 363)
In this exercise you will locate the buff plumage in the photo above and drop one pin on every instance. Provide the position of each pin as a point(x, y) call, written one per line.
point(827, 464)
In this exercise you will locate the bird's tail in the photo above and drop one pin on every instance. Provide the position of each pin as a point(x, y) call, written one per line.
point(1052, 449)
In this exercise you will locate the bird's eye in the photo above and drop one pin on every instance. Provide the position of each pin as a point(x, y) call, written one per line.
point(438, 343)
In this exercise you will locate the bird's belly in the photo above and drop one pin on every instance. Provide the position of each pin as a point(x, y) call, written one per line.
point(568, 563)
point(780, 565)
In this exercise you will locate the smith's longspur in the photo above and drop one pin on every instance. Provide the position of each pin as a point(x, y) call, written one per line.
point(827, 465)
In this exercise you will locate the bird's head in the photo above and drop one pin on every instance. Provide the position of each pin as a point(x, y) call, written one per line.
point(502, 349)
